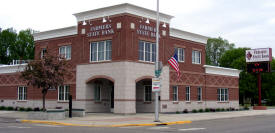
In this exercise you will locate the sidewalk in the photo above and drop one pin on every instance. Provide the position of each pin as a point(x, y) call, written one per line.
point(140, 119)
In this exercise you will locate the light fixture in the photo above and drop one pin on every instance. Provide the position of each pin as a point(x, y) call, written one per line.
point(84, 22)
point(164, 25)
point(147, 21)
point(104, 20)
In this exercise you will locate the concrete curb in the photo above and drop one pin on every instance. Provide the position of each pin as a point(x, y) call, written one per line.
point(119, 125)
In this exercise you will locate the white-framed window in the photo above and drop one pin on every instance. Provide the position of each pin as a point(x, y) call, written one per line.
point(101, 51)
point(199, 93)
point(222, 94)
point(65, 52)
point(97, 92)
point(147, 93)
point(187, 93)
point(196, 57)
point(22, 93)
point(180, 53)
point(147, 51)
point(175, 93)
point(43, 52)
point(63, 93)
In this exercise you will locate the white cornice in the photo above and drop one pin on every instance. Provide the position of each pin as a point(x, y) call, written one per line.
point(119, 9)
point(12, 68)
point(221, 71)
point(55, 33)
point(188, 35)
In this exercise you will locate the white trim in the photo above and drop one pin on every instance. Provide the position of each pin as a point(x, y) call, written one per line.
point(188, 35)
point(104, 51)
point(12, 68)
point(195, 57)
point(189, 88)
point(175, 93)
point(221, 71)
point(23, 93)
point(64, 96)
point(67, 31)
point(120, 9)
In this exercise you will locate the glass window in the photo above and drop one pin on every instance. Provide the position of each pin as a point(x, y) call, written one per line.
point(196, 57)
point(63, 93)
point(101, 51)
point(222, 94)
point(22, 93)
point(199, 93)
point(147, 93)
point(187, 93)
point(43, 52)
point(147, 51)
point(175, 93)
point(65, 52)
point(180, 53)
point(97, 92)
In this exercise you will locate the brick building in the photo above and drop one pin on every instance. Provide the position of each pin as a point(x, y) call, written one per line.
point(112, 50)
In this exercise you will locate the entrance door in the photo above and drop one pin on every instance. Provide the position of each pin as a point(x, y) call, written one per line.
point(112, 99)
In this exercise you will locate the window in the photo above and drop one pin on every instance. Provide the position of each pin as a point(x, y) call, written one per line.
point(180, 53)
point(175, 93)
point(187, 93)
point(65, 52)
point(43, 52)
point(147, 93)
point(199, 93)
point(63, 93)
point(22, 93)
point(196, 57)
point(147, 51)
point(97, 92)
point(222, 94)
point(101, 51)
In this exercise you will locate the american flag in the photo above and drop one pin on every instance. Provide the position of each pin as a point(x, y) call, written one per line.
point(173, 61)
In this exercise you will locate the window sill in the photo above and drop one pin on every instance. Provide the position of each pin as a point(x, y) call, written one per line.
point(175, 102)
point(222, 101)
point(103, 61)
point(149, 62)
point(63, 101)
point(196, 63)
point(147, 102)
point(200, 102)
point(188, 102)
point(22, 101)
point(97, 102)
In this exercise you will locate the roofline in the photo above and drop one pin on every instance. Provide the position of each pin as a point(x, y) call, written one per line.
point(188, 35)
point(66, 31)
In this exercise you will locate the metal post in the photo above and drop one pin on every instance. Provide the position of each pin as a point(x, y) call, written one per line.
point(156, 66)
point(70, 106)
point(259, 87)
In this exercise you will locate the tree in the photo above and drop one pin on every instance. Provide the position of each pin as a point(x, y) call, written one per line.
point(7, 38)
point(215, 48)
point(23, 48)
point(46, 73)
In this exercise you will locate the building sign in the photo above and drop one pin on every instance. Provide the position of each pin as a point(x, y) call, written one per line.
point(100, 30)
point(258, 67)
point(145, 30)
point(155, 84)
point(259, 55)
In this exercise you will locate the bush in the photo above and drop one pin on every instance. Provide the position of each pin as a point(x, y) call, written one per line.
point(177, 112)
point(232, 109)
point(246, 107)
point(185, 111)
point(10, 108)
point(29, 109)
point(222, 109)
point(218, 109)
point(3, 108)
point(228, 109)
point(36, 109)
point(200, 110)
point(21, 109)
point(194, 111)
point(207, 110)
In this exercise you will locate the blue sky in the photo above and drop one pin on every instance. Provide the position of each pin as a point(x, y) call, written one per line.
point(247, 23)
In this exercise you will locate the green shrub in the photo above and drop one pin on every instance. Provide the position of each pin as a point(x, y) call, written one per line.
point(10, 108)
point(207, 110)
point(177, 112)
point(200, 110)
point(218, 109)
point(36, 109)
point(246, 107)
point(3, 108)
point(222, 109)
point(228, 109)
point(21, 109)
point(194, 111)
point(29, 109)
point(212, 110)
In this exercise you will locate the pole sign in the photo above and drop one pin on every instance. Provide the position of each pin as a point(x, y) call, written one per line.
point(155, 84)
point(259, 55)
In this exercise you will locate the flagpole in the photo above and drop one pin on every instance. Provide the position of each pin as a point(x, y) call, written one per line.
point(157, 65)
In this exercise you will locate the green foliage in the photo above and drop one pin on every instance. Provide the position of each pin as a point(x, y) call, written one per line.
point(29, 109)
point(22, 109)
point(185, 111)
point(200, 110)
point(215, 48)
point(7, 38)
point(194, 111)
point(222, 109)
point(218, 109)
point(3, 108)
point(207, 110)
point(10, 108)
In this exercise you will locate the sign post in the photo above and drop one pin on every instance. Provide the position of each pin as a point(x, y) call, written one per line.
point(258, 61)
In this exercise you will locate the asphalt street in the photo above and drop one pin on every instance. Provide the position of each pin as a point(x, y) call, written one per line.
point(255, 124)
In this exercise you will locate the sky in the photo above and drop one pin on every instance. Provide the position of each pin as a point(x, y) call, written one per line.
point(246, 23)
